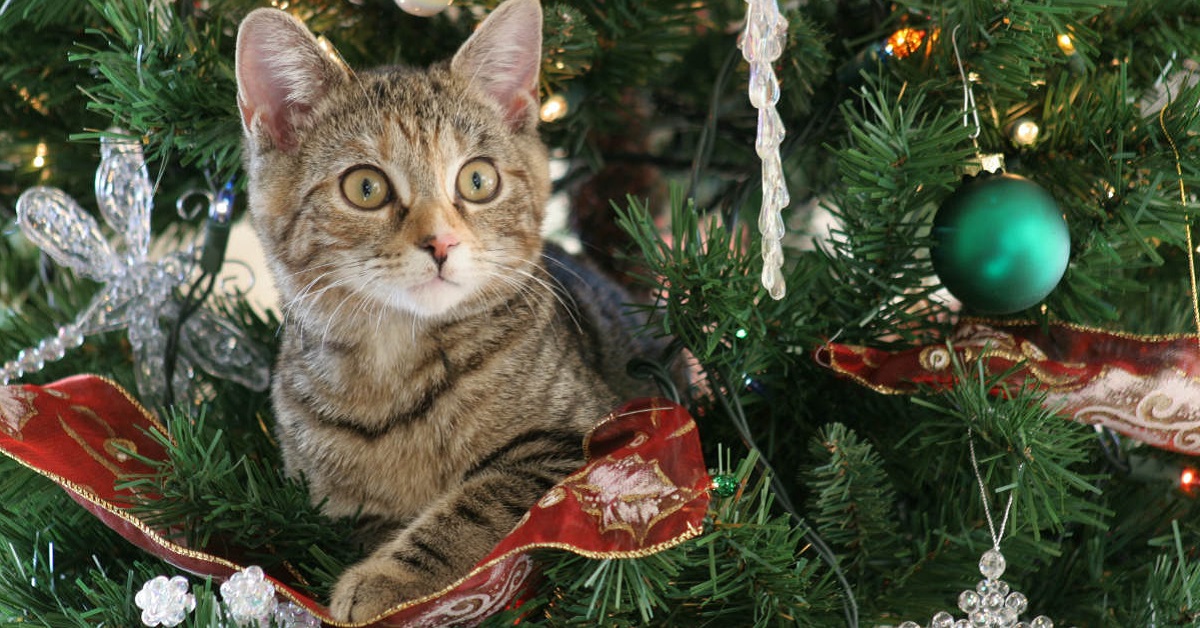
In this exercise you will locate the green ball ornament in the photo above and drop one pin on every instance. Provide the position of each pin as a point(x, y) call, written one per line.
point(1001, 244)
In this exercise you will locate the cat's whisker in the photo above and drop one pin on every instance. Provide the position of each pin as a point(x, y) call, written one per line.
point(558, 291)
point(557, 262)
point(520, 288)
point(307, 293)
point(309, 269)
point(289, 308)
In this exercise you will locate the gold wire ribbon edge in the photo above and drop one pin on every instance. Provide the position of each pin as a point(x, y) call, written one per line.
point(1187, 219)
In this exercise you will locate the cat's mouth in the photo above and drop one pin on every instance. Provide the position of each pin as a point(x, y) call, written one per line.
point(435, 282)
point(434, 296)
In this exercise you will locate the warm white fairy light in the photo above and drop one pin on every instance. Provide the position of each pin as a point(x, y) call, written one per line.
point(554, 109)
point(762, 43)
point(1025, 133)
point(1066, 44)
point(39, 155)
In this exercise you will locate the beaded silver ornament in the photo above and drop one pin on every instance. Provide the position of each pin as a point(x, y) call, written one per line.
point(289, 615)
point(992, 603)
point(165, 602)
point(249, 597)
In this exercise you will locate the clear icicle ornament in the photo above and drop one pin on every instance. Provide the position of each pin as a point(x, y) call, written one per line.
point(762, 43)
point(137, 292)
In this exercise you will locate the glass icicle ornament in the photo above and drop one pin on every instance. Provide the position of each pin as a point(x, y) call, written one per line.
point(137, 292)
point(762, 43)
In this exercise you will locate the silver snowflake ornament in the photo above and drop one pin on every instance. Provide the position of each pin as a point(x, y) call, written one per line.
point(137, 292)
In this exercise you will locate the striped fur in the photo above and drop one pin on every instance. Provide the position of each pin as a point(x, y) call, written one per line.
point(437, 394)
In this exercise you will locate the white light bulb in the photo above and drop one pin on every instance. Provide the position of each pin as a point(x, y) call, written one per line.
point(1025, 133)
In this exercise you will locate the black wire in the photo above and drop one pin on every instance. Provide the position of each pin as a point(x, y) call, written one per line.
point(707, 140)
point(657, 371)
point(738, 416)
point(187, 308)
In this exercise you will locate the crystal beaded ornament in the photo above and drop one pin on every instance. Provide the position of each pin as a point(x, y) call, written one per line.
point(762, 43)
point(249, 597)
point(992, 603)
point(289, 615)
point(137, 292)
point(165, 602)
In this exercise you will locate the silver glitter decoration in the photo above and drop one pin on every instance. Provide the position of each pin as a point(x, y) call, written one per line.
point(289, 615)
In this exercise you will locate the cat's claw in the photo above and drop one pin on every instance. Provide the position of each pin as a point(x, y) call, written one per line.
point(370, 589)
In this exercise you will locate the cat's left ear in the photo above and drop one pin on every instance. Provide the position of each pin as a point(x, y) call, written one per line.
point(504, 56)
point(282, 73)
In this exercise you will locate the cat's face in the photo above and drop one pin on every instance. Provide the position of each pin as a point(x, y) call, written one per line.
point(414, 190)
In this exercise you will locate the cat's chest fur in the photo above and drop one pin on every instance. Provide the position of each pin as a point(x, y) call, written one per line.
point(385, 417)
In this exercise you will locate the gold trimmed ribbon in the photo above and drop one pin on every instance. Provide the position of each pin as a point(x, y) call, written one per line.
point(643, 489)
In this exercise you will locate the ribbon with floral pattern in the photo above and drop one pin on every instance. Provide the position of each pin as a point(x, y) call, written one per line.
point(642, 490)
point(1145, 387)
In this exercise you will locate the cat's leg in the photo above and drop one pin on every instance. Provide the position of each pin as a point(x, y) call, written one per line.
point(442, 544)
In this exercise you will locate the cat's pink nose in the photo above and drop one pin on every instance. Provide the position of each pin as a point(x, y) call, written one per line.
point(439, 246)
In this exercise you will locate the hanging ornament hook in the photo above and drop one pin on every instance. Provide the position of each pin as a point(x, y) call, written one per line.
point(983, 495)
point(970, 111)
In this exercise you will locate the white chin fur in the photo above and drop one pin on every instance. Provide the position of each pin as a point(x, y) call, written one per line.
point(427, 300)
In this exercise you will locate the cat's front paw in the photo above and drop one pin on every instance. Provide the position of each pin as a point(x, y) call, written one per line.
point(372, 587)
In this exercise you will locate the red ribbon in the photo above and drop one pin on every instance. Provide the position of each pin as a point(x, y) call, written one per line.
point(643, 489)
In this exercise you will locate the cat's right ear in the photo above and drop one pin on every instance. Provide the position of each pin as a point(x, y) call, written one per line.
point(282, 72)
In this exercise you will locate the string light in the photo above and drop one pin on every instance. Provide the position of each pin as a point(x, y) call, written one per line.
point(904, 42)
point(1025, 132)
point(331, 53)
point(1189, 481)
point(39, 155)
point(555, 108)
point(1066, 45)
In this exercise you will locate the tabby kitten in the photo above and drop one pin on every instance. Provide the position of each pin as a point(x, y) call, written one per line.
point(438, 368)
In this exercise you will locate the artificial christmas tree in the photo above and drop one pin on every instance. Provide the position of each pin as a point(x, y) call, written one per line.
point(833, 504)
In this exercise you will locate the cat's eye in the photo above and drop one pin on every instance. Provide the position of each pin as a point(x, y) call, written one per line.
point(365, 187)
point(478, 181)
